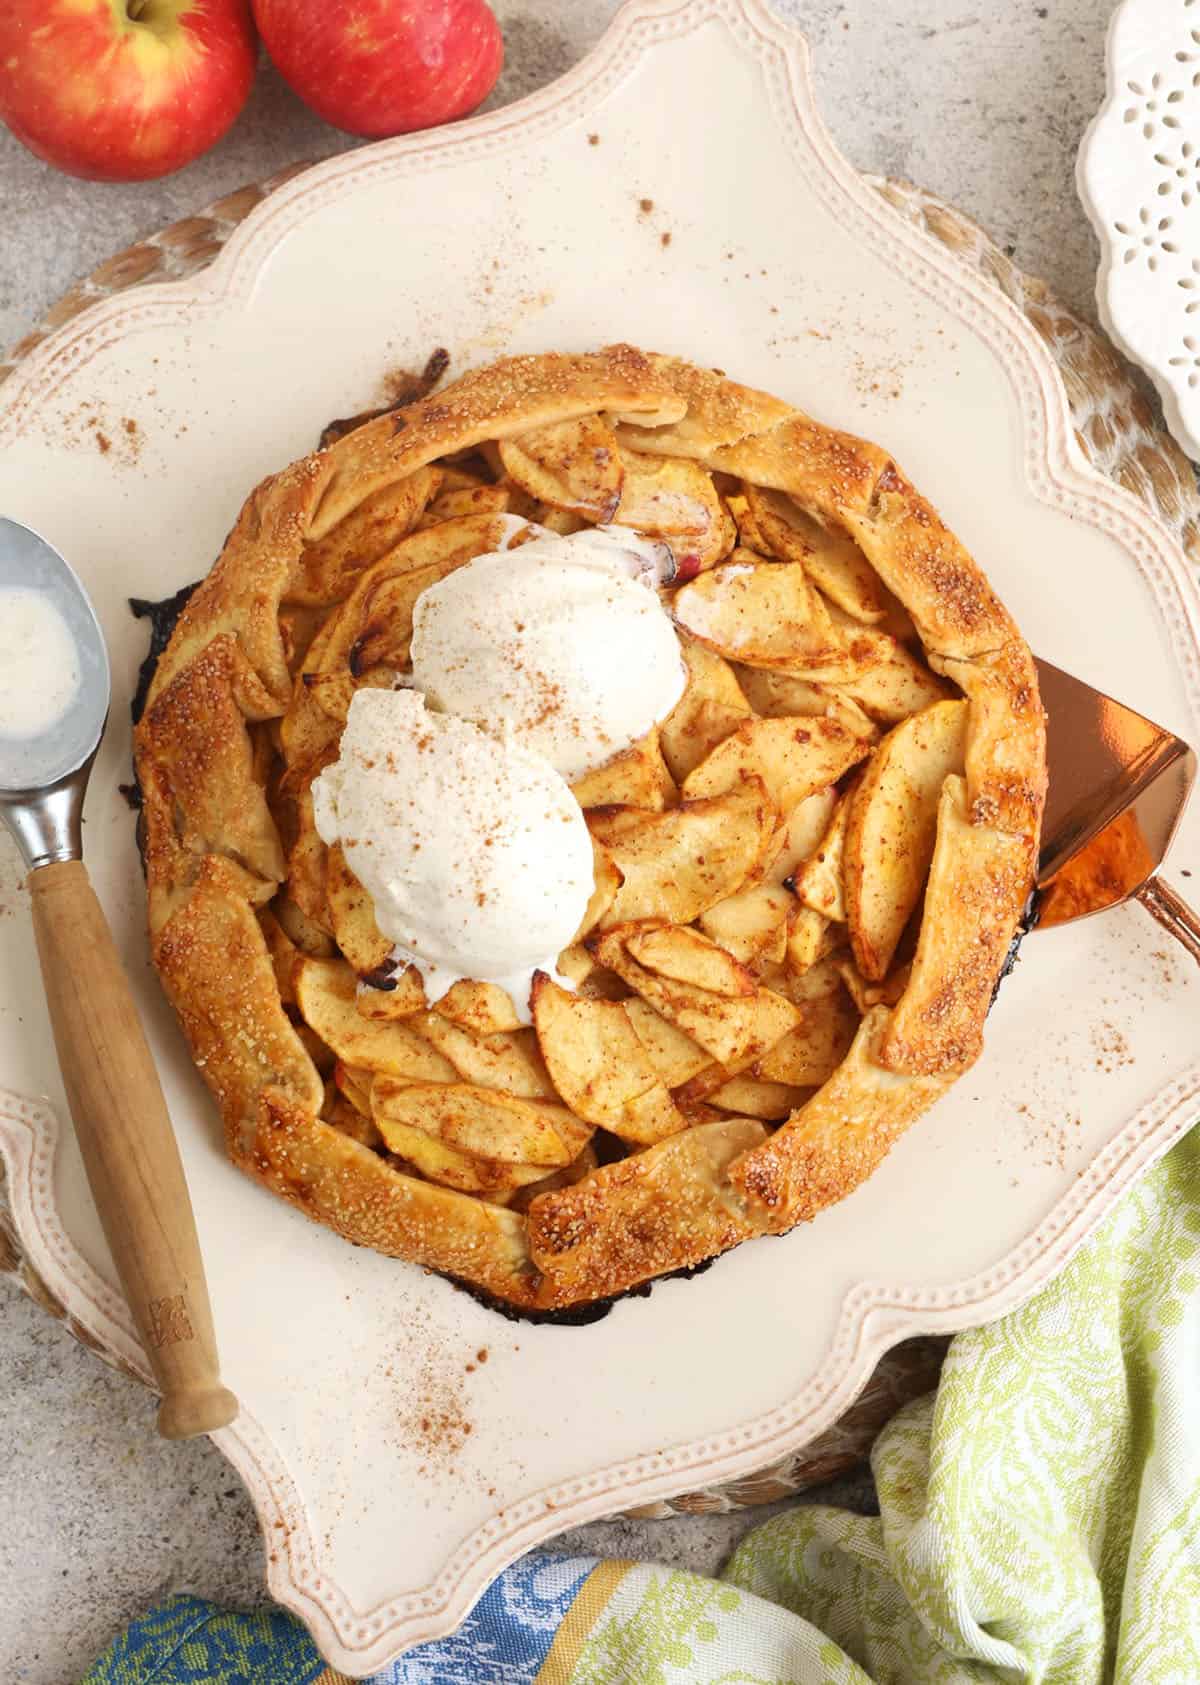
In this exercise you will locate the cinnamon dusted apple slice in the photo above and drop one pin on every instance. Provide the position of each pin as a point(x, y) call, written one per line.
point(764, 613)
point(606, 882)
point(451, 1167)
point(571, 1173)
point(772, 694)
point(675, 1056)
point(753, 924)
point(673, 499)
point(484, 1008)
point(822, 978)
point(560, 521)
point(373, 627)
point(831, 559)
point(580, 969)
point(818, 879)
point(750, 1097)
point(813, 1049)
point(283, 951)
point(894, 686)
point(392, 990)
point(391, 996)
point(307, 863)
point(481, 1121)
point(599, 1065)
point(352, 913)
point(800, 835)
point(338, 1112)
point(711, 706)
point(574, 465)
point(329, 567)
point(810, 938)
point(299, 929)
point(480, 498)
point(355, 1084)
point(794, 758)
point(508, 1061)
point(866, 995)
point(734, 1030)
point(332, 692)
point(891, 828)
point(638, 777)
point(685, 956)
point(325, 993)
point(677, 863)
point(750, 535)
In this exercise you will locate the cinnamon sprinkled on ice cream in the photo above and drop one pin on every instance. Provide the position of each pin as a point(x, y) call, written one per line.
point(560, 639)
point(472, 848)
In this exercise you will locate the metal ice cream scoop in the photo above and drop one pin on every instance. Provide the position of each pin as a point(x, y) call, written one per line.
point(54, 695)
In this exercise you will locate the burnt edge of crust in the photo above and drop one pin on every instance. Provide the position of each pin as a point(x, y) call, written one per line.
point(575, 1316)
point(163, 614)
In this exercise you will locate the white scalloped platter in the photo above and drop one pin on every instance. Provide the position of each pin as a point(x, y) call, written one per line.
point(545, 225)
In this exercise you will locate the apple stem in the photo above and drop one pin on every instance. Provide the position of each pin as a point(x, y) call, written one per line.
point(134, 9)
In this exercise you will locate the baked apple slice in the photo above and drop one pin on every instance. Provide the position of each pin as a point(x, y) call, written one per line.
point(772, 694)
point(794, 758)
point(891, 828)
point(814, 1048)
point(574, 465)
point(638, 777)
point(352, 913)
point(325, 994)
point(712, 705)
point(599, 1066)
point(677, 863)
point(734, 1029)
point(674, 1055)
point(467, 1173)
point(818, 879)
point(508, 1061)
point(831, 559)
point(673, 499)
point(753, 924)
point(764, 613)
point(481, 1121)
point(483, 1008)
point(748, 1096)
point(801, 835)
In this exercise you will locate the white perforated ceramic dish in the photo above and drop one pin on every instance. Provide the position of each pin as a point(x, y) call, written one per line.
point(784, 267)
point(1139, 179)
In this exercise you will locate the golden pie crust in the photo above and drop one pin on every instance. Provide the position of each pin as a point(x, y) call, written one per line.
point(808, 878)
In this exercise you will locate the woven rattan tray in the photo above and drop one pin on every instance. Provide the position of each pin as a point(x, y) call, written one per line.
point(1117, 427)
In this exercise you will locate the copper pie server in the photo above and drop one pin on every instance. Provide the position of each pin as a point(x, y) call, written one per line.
point(116, 1101)
point(1118, 788)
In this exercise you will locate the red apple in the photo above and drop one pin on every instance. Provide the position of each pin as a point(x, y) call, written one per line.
point(383, 67)
point(122, 90)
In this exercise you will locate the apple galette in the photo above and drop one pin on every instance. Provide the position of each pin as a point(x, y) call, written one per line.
point(586, 813)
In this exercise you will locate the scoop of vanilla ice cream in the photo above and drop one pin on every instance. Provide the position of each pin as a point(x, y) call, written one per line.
point(560, 638)
point(472, 848)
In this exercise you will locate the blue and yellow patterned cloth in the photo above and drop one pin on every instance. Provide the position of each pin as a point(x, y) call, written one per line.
point(1039, 1525)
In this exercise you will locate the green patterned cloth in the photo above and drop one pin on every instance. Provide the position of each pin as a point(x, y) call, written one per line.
point(1040, 1525)
point(1040, 1517)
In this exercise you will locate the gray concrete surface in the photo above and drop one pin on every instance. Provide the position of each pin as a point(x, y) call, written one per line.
point(984, 103)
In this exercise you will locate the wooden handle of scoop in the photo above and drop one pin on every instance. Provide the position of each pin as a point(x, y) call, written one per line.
point(129, 1148)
